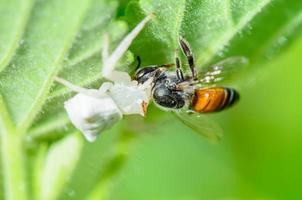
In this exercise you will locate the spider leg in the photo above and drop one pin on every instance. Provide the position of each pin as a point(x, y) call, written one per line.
point(110, 63)
point(188, 53)
point(79, 89)
point(114, 76)
point(105, 50)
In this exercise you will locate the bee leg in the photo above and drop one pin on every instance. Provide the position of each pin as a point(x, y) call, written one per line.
point(179, 72)
point(188, 53)
point(110, 62)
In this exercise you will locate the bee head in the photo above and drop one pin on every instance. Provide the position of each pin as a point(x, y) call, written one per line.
point(142, 75)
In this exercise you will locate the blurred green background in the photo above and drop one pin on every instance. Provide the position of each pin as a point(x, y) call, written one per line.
point(157, 157)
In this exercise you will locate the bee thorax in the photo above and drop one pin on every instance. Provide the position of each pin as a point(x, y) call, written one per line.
point(168, 97)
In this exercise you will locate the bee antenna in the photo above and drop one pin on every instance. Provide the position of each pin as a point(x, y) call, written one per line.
point(138, 62)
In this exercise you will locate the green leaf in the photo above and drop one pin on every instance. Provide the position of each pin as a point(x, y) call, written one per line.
point(215, 28)
point(26, 81)
point(14, 16)
point(265, 38)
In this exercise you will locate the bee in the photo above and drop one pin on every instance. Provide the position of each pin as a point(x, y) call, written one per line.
point(189, 96)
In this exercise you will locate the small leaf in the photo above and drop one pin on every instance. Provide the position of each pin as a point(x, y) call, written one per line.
point(59, 163)
point(93, 162)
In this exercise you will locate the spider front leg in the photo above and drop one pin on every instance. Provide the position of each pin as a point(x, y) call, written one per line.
point(109, 62)
point(105, 49)
point(188, 53)
point(79, 89)
point(114, 76)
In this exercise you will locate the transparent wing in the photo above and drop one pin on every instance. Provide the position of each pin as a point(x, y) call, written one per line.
point(200, 124)
point(223, 70)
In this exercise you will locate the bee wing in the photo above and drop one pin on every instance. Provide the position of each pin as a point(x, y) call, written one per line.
point(223, 70)
point(200, 124)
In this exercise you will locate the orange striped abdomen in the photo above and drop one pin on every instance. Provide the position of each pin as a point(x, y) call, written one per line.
point(213, 99)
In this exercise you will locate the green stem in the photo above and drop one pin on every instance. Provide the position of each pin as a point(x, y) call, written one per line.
point(12, 151)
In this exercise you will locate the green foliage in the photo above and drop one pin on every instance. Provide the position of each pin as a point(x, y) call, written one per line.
point(256, 29)
point(14, 18)
point(41, 39)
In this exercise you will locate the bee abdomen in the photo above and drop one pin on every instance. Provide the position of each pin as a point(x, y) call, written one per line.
point(214, 99)
point(232, 97)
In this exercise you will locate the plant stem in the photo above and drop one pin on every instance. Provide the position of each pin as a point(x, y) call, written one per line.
point(12, 158)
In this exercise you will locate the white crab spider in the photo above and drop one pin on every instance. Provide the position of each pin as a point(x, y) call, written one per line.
point(94, 110)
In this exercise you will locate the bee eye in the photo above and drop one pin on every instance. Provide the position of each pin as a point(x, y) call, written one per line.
point(140, 73)
point(144, 74)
